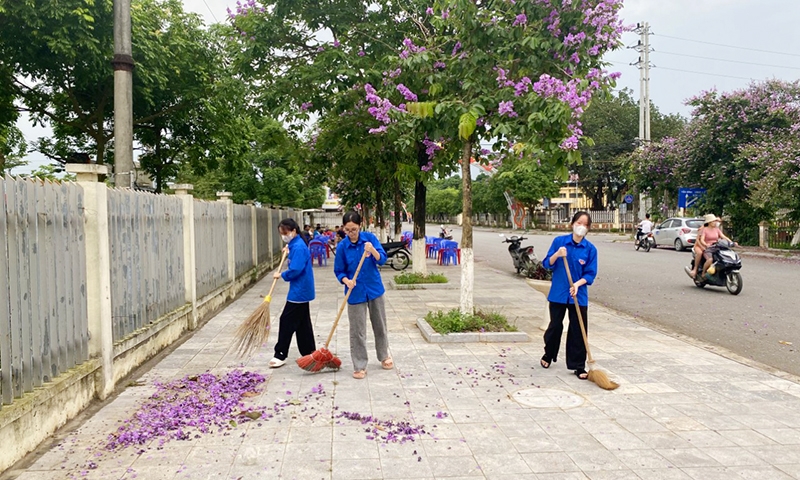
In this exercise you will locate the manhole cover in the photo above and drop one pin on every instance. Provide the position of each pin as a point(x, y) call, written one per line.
point(547, 398)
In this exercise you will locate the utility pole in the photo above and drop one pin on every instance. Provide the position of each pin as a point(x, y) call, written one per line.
point(123, 95)
point(643, 47)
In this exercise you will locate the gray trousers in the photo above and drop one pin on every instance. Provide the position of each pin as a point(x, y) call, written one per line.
point(358, 331)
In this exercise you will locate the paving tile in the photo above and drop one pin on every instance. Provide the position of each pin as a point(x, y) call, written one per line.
point(502, 464)
point(687, 457)
point(353, 469)
point(550, 462)
point(446, 467)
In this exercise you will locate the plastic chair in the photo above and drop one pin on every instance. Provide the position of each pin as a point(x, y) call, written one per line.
point(449, 253)
point(319, 252)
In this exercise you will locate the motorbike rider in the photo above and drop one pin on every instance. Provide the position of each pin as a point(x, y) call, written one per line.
point(707, 237)
point(644, 227)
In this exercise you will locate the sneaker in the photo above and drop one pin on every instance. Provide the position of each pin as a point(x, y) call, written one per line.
point(276, 362)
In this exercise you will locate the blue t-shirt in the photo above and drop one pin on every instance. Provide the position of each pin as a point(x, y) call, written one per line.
point(582, 259)
point(369, 285)
point(300, 273)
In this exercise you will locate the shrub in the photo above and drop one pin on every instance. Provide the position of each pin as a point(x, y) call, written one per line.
point(456, 322)
point(414, 278)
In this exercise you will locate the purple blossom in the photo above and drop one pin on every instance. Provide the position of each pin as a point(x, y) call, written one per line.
point(522, 87)
point(570, 143)
point(445, 14)
point(429, 11)
point(439, 65)
point(305, 106)
point(361, 53)
point(456, 48)
point(431, 148)
point(407, 93)
point(507, 109)
point(521, 19)
point(336, 43)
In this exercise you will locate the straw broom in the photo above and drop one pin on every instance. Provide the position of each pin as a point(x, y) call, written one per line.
point(595, 375)
point(322, 357)
point(254, 332)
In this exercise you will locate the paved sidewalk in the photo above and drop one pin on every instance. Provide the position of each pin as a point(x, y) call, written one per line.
point(682, 412)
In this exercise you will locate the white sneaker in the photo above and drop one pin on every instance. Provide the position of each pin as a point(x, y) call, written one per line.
point(276, 363)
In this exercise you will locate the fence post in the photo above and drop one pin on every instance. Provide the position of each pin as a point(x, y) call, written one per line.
point(226, 198)
point(183, 191)
point(98, 270)
point(254, 230)
point(763, 234)
point(616, 219)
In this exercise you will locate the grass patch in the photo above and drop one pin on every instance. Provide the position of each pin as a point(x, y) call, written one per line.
point(415, 278)
point(456, 322)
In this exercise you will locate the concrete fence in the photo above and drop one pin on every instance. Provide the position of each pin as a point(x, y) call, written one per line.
point(96, 281)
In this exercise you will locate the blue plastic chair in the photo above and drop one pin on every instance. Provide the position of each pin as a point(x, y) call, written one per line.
point(318, 251)
point(449, 253)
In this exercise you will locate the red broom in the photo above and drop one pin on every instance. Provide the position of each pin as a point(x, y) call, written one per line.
point(322, 357)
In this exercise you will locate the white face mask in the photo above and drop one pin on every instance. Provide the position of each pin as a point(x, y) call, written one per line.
point(580, 230)
point(287, 238)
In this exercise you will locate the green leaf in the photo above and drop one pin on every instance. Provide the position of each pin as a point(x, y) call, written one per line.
point(466, 125)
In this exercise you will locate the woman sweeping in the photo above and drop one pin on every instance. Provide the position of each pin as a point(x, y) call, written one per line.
point(582, 258)
point(367, 295)
point(296, 316)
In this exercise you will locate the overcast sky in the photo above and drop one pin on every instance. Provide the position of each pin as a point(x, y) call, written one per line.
point(764, 31)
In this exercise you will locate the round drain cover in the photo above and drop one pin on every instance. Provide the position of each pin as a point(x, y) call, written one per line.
point(547, 398)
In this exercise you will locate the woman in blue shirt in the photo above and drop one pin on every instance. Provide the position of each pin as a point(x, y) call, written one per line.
point(367, 292)
point(582, 258)
point(296, 316)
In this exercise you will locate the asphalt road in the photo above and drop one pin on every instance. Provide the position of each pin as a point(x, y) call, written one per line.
point(653, 286)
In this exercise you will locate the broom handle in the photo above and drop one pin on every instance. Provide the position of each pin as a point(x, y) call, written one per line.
point(341, 307)
point(580, 315)
point(268, 298)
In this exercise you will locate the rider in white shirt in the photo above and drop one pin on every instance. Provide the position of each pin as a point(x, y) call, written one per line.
point(645, 227)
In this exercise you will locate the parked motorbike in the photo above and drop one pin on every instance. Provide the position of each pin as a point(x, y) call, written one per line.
point(724, 271)
point(646, 240)
point(397, 255)
point(525, 260)
point(445, 233)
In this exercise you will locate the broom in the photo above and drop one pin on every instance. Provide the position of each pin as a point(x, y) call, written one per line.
point(597, 376)
point(322, 357)
point(254, 332)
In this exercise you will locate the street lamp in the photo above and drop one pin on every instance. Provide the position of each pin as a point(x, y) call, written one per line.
point(123, 95)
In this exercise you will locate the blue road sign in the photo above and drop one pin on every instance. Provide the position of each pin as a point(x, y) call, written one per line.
point(629, 198)
point(546, 202)
point(688, 197)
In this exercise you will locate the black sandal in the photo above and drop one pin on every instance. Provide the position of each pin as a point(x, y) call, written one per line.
point(580, 372)
point(544, 362)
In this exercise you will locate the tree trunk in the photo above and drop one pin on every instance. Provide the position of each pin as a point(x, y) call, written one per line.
point(467, 260)
point(398, 205)
point(418, 253)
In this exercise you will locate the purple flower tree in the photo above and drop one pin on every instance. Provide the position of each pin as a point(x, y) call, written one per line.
point(517, 73)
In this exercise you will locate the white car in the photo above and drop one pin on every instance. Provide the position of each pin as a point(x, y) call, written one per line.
point(678, 232)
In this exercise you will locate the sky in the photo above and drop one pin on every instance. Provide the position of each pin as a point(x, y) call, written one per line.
point(755, 40)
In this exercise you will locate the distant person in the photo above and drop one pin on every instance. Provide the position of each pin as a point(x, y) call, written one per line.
point(306, 233)
point(644, 227)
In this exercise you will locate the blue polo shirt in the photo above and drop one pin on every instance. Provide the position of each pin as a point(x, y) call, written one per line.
point(582, 259)
point(369, 285)
point(300, 273)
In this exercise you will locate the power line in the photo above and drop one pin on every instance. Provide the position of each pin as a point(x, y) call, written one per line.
point(725, 60)
point(729, 46)
point(688, 71)
point(706, 73)
point(210, 11)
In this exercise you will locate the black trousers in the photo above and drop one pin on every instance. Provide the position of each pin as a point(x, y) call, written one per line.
point(576, 350)
point(296, 318)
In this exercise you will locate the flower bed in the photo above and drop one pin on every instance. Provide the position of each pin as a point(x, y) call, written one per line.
point(417, 278)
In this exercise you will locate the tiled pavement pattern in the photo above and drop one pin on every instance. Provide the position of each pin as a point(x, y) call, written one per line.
point(682, 412)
